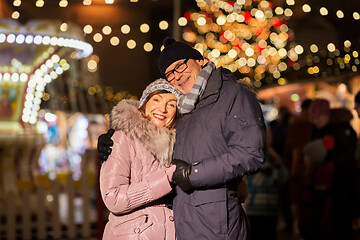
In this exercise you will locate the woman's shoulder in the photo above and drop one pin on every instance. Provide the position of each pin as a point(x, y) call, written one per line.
point(124, 111)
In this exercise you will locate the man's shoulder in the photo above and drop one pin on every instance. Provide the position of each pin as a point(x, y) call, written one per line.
point(232, 83)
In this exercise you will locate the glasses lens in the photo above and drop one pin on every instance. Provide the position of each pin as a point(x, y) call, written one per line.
point(170, 76)
point(181, 67)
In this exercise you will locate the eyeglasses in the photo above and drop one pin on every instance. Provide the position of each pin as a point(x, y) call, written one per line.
point(170, 75)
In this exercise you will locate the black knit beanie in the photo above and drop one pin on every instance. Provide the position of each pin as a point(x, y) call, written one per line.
point(174, 51)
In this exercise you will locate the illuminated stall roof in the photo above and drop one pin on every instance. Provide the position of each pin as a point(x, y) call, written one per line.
point(33, 55)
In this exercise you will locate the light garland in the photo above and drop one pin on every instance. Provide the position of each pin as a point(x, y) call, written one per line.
point(84, 49)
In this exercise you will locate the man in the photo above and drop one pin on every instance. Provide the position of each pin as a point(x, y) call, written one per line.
point(220, 137)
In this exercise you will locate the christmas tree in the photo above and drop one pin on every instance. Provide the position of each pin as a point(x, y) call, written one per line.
point(249, 37)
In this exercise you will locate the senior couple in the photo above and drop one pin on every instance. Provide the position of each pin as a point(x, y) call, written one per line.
point(161, 185)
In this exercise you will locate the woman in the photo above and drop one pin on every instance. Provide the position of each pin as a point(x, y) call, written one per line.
point(136, 178)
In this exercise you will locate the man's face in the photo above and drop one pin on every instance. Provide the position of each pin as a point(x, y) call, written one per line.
point(185, 80)
point(357, 109)
point(320, 120)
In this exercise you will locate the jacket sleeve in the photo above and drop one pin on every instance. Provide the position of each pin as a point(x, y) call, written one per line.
point(118, 192)
point(243, 129)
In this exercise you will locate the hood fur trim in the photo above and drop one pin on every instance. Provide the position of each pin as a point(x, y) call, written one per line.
point(159, 141)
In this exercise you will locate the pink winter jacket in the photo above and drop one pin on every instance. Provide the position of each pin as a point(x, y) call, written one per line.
point(134, 180)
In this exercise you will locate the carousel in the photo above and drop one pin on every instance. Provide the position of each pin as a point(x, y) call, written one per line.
point(32, 55)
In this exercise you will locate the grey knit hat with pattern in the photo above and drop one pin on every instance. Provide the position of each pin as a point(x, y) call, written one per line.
point(159, 84)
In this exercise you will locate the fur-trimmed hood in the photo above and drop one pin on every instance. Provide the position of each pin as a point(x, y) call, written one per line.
point(159, 141)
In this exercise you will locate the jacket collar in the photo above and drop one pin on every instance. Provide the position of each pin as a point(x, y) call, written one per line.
point(214, 84)
point(126, 117)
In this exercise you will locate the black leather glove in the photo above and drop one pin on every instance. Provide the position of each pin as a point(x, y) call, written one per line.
point(181, 175)
point(104, 145)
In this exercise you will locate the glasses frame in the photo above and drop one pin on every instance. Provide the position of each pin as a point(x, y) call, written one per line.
point(172, 72)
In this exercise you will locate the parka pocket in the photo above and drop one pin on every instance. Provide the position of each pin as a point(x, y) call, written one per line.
point(209, 206)
point(133, 226)
point(252, 130)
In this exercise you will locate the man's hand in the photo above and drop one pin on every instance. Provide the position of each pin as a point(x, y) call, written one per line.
point(181, 175)
point(104, 145)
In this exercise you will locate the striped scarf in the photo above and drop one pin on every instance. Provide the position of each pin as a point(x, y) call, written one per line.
point(187, 102)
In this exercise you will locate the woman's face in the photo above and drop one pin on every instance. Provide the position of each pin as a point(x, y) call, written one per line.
point(161, 109)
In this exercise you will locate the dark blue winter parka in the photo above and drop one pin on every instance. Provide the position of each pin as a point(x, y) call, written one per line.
point(224, 139)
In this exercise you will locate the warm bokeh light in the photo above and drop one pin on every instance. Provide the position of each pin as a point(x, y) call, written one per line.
point(356, 15)
point(92, 65)
point(144, 28)
point(15, 15)
point(331, 47)
point(106, 30)
point(87, 2)
point(64, 27)
point(63, 3)
point(88, 29)
point(323, 11)
point(163, 25)
point(97, 37)
point(114, 41)
point(131, 44)
point(182, 21)
point(125, 29)
point(17, 3)
point(39, 3)
point(314, 48)
point(347, 44)
point(339, 14)
point(148, 47)
point(306, 8)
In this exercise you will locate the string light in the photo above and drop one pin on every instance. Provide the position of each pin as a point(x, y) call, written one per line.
point(17, 3)
point(15, 15)
point(131, 44)
point(39, 3)
point(114, 41)
point(163, 25)
point(87, 2)
point(106, 30)
point(144, 28)
point(125, 29)
point(63, 3)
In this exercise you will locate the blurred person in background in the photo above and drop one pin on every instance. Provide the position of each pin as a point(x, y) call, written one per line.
point(316, 216)
point(279, 131)
point(262, 205)
point(299, 133)
point(336, 123)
